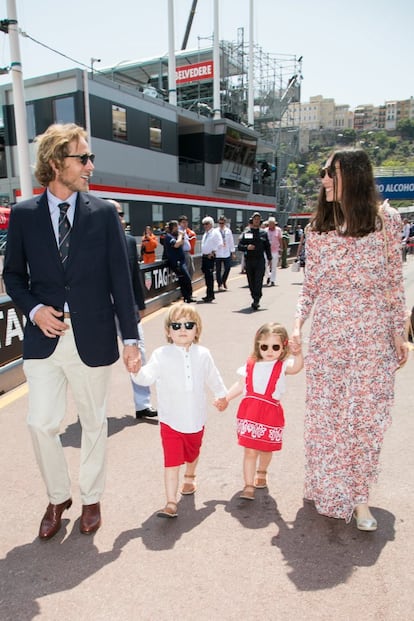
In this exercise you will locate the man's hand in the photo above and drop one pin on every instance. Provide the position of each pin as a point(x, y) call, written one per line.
point(47, 319)
point(132, 358)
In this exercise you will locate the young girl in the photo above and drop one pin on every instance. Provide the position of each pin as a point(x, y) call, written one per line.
point(260, 419)
point(182, 370)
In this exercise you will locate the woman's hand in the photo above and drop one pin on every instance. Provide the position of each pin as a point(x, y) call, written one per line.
point(401, 349)
point(295, 348)
point(296, 338)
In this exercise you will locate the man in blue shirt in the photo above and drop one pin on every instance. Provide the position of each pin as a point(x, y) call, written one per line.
point(173, 245)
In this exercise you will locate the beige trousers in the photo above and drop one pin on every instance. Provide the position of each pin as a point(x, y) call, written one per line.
point(48, 380)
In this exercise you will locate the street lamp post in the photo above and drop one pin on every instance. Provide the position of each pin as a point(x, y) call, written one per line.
point(19, 102)
point(93, 61)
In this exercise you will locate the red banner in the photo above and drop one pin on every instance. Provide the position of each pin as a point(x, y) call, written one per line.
point(193, 73)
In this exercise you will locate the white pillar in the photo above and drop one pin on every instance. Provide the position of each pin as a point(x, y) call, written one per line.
point(19, 104)
point(216, 62)
point(86, 105)
point(250, 91)
point(172, 84)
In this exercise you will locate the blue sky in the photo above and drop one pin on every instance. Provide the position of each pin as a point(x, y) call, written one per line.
point(357, 52)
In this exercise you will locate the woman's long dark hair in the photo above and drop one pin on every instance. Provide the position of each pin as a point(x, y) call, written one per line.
point(355, 214)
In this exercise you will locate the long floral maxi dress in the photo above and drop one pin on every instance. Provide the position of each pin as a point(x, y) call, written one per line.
point(358, 303)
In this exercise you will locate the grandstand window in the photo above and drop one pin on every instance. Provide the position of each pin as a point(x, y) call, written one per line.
point(155, 133)
point(119, 123)
point(64, 110)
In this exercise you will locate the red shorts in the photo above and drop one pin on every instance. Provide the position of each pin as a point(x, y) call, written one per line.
point(179, 447)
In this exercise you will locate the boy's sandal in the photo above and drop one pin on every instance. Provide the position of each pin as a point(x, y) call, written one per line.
point(189, 488)
point(169, 511)
point(247, 493)
point(261, 481)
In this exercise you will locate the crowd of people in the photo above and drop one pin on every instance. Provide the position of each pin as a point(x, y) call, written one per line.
point(77, 282)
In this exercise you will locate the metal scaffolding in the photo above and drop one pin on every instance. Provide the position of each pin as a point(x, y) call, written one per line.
point(277, 83)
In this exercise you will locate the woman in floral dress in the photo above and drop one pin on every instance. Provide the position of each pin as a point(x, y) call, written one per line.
point(354, 286)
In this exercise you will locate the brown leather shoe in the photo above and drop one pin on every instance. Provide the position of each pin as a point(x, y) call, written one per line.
point(52, 519)
point(90, 519)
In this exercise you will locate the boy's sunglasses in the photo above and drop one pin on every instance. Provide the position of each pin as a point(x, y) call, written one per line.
point(188, 325)
point(264, 347)
point(84, 158)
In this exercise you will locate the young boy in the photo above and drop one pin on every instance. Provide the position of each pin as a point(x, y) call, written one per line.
point(181, 370)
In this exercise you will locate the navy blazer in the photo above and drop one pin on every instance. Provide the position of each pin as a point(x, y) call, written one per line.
point(96, 282)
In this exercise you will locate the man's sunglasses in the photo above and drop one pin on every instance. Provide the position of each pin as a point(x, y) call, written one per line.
point(264, 347)
point(84, 158)
point(188, 325)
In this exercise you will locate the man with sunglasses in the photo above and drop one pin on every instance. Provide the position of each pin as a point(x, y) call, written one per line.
point(66, 268)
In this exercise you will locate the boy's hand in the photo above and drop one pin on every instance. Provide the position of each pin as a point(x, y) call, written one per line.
point(221, 404)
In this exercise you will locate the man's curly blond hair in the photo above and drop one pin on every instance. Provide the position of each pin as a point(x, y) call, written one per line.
point(53, 146)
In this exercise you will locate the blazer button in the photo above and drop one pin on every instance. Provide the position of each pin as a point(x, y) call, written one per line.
point(67, 288)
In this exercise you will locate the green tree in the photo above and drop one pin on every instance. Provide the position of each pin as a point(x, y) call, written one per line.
point(405, 128)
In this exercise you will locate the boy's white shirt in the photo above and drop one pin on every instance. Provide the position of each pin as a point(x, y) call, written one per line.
point(181, 378)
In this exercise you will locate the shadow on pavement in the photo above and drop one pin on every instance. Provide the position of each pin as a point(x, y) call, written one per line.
point(35, 570)
point(247, 311)
point(258, 513)
point(323, 552)
point(162, 533)
point(72, 434)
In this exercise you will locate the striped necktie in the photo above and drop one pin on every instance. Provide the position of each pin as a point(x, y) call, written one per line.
point(64, 232)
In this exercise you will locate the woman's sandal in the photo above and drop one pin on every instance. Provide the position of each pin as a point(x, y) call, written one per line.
point(169, 511)
point(247, 493)
point(366, 522)
point(260, 482)
point(189, 488)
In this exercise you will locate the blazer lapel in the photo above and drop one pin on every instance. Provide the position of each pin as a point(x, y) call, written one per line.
point(44, 221)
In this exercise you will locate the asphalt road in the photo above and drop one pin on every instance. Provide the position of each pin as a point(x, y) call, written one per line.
point(222, 558)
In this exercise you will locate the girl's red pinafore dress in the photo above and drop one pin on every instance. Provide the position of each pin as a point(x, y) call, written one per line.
point(260, 419)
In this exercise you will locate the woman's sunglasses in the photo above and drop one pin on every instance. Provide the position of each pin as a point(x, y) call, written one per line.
point(327, 170)
point(264, 347)
point(188, 325)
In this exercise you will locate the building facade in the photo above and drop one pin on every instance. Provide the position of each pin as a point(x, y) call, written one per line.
point(321, 113)
point(159, 161)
